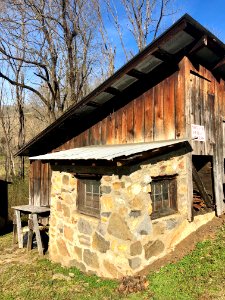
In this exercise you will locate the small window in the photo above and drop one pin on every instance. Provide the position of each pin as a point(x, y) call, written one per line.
point(164, 196)
point(89, 195)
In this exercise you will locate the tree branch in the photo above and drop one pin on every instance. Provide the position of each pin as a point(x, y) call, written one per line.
point(44, 100)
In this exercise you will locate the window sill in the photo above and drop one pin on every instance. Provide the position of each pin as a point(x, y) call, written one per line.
point(87, 216)
point(155, 216)
point(84, 213)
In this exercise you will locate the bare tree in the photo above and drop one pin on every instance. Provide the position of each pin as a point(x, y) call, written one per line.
point(7, 133)
point(59, 38)
point(142, 18)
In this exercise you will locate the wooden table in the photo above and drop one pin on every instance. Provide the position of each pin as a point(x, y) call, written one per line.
point(34, 212)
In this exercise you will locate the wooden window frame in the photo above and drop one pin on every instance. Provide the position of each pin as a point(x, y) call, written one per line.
point(88, 195)
point(165, 189)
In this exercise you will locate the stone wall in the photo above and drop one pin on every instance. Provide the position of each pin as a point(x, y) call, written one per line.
point(124, 239)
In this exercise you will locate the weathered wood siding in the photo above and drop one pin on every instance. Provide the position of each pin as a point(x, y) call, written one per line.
point(205, 96)
point(40, 183)
point(204, 106)
point(158, 114)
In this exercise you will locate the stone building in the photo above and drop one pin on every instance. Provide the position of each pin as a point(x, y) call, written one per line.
point(138, 164)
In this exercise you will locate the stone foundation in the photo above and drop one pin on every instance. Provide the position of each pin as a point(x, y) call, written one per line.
point(124, 239)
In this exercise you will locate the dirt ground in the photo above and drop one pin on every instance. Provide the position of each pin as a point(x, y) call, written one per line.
point(207, 231)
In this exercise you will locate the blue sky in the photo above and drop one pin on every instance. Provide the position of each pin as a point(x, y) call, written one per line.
point(210, 13)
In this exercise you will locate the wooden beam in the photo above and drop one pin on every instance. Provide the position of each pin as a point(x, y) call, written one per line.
point(164, 55)
point(99, 170)
point(113, 91)
point(201, 43)
point(201, 187)
point(93, 104)
point(220, 64)
point(136, 74)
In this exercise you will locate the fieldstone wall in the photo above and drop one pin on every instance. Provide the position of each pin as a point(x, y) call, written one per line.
point(124, 239)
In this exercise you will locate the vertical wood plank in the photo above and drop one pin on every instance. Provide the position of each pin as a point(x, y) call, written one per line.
point(31, 184)
point(159, 110)
point(130, 122)
point(111, 129)
point(124, 125)
point(218, 160)
point(37, 181)
point(118, 126)
point(104, 131)
point(139, 125)
point(179, 102)
point(169, 108)
point(149, 115)
point(188, 111)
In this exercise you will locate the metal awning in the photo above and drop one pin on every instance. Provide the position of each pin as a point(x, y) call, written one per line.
point(108, 152)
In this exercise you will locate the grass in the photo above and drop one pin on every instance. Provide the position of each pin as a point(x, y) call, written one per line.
point(199, 275)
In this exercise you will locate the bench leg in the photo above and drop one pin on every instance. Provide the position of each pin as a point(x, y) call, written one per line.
point(19, 228)
point(14, 230)
point(30, 233)
point(38, 235)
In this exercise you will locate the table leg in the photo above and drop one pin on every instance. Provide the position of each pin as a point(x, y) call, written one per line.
point(19, 229)
point(30, 233)
point(38, 235)
point(14, 230)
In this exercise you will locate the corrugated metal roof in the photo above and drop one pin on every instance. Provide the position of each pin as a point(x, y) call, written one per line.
point(106, 152)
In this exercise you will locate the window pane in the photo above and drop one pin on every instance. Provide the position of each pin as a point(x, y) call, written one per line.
point(158, 188)
point(96, 186)
point(163, 196)
point(88, 196)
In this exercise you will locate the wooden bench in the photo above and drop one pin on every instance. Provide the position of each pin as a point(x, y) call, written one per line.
point(34, 213)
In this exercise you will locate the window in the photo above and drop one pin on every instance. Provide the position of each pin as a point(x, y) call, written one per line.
point(89, 195)
point(164, 196)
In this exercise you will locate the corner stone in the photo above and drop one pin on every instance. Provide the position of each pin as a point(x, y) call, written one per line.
point(62, 248)
point(153, 248)
point(135, 262)
point(135, 248)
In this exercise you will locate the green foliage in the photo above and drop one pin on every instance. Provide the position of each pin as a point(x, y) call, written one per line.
point(18, 193)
